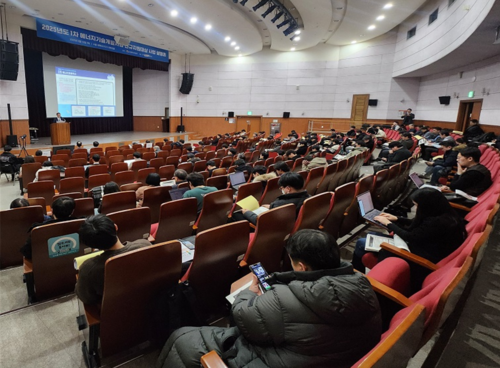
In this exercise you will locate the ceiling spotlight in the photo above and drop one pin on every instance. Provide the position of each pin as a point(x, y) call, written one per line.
point(277, 16)
point(388, 6)
point(290, 29)
point(208, 27)
point(381, 17)
point(292, 49)
point(297, 32)
point(243, 2)
point(227, 39)
point(194, 20)
point(268, 11)
point(297, 38)
point(237, 48)
point(260, 4)
point(371, 28)
point(239, 55)
point(233, 43)
point(353, 42)
point(174, 13)
point(284, 23)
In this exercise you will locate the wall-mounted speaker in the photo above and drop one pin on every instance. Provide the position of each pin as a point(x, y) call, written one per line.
point(9, 60)
point(187, 83)
point(372, 102)
point(444, 100)
point(286, 115)
point(12, 140)
point(230, 114)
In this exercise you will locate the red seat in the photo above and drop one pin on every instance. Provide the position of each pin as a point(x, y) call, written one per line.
point(187, 166)
point(176, 219)
point(69, 185)
point(313, 212)
point(116, 168)
point(98, 180)
point(84, 207)
point(43, 189)
point(50, 175)
point(154, 197)
point(133, 223)
point(313, 179)
point(219, 182)
point(73, 172)
point(29, 171)
point(216, 207)
point(114, 202)
point(156, 163)
point(341, 200)
point(142, 174)
point(97, 169)
point(271, 192)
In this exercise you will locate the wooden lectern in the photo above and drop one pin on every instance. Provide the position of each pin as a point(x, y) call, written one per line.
point(60, 133)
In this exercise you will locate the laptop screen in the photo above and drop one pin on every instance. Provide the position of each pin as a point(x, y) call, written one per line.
point(237, 178)
point(177, 193)
point(418, 182)
point(365, 203)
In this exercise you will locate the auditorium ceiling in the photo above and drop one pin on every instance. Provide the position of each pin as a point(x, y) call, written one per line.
point(227, 27)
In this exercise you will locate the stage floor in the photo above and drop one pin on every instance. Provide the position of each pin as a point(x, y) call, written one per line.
point(107, 139)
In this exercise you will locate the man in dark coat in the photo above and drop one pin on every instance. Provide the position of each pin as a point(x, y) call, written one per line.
point(321, 314)
point(397, 153)
point(408, 117)
point(473, 130)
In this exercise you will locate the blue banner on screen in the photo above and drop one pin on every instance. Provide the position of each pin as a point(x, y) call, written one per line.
point(83, 93)
point(78, 36)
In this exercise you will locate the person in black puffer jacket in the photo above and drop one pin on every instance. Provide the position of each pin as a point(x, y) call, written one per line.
point(322, 314)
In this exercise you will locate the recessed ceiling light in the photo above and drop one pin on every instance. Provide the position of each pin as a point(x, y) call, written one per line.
point(227, 39)
point(292, 49)
point(353, 42)
point(388, 6)
point(371, 28)
point(194, 20)
point(239, 55)
point(233, 43)
point(151, 5)
point(237, 48)
point(208, 27)
point(174, 13)
point(381, 17)
point(297, 38)
point(297, 32)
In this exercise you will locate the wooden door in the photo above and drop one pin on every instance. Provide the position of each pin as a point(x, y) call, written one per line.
point(359, 109)
point(467, 110)
point(250, 123)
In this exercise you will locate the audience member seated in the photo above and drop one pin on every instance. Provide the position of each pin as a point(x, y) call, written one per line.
point(434, 233)
point(301, 148)
point(473, 130)
point(281, 167)
point(260, 174)
point(95, 144)
point(180, 176)
point(397, 153)
point(471, 177)
point(444, 136)
point(352, 132)
point(460, 144)
point(8, 158)
point(241, 166)
point(310, 162)
point(62, 209)
point(95, 158)
point(47, 165)
point(291, 155)
point(292, 187)
point(19, 202)
point(232, 152)
point(27, 160)
point(137, 157)
point(38, 153)
point(263, 156)
point(99, 232)
point(441, 166)
point(152, 180)
point(321, 314)
point(359, 147)
point(109, 188)
point(197, 189)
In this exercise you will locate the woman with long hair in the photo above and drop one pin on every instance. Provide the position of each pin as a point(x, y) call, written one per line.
point(434, 233)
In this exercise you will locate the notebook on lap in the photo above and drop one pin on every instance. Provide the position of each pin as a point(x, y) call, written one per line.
point(368, 212)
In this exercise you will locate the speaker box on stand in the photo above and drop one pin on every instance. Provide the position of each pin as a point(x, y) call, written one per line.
point(187, 83)
point(9, 60)
point(12, 140)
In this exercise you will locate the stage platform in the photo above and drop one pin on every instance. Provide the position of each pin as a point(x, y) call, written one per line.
point(117, 139)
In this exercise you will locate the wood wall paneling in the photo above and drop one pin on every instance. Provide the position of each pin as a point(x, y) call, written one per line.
point(19, 128)
point(148, 124)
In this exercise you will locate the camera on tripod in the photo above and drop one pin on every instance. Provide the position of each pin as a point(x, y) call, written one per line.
point(23, 137)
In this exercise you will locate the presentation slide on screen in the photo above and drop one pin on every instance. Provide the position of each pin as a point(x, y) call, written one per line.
point(76, 88)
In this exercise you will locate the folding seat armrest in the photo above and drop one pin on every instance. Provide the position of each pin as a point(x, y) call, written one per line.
point(212, 360)
point(93, 314)
point(27, 265)
point(409, 256)
point(389, 293)
point(243, 264)
point(460, 207)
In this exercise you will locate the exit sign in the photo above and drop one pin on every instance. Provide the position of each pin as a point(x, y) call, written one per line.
point(471, 94)
point(249, 113)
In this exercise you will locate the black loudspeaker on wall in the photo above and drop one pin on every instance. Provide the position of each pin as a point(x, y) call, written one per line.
point(9, 60)
point(444, 100)
point(372, 102)
point(230, 114)
point(286, 115)
point(187, 83)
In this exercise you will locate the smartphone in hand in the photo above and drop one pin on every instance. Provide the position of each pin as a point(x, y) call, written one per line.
point(262, 276)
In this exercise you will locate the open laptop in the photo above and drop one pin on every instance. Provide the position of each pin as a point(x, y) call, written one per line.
point(368, 212)
point(237, 179)
point(419, 183)
point(176, 194)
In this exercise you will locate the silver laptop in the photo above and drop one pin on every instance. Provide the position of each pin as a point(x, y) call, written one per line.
point(368, 212)
point(237, 179)
point(176, 194)
point(419, 183)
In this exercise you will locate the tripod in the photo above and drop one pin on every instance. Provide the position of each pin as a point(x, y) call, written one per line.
point(23, 147)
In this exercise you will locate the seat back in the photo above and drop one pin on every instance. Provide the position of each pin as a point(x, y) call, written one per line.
point(313, 212)
point(271, 192)
point(378, 188)
point(98, 180)
point(340, 202)
point(216, 207)
point(335, 181)
point(219, 182)
point(176, 219)
point(249, 189)
point(353, 217)
point(142, 174)
point(74, 195)
point(74, 162)
point(132, 224)
point(166, 172)
point(97, 169)
point(137, 165)
point(124, 177)
point(50, 175)
point(13, 232)
point(84, 207)
point(220, 171)
point(268, 242)
point(41, 159)
point(135, 279)
point(71, 185)
point(130, 186)
point(44, 189)
point(187, 166)
point(120, 201)
point(199, 166)
point(29, 172)
point(156, 163)
point(153, 198)
point(39, 201)
point(226, 161)
point(215, 263)
point(54, 247)
point(330, 171)
point(72, 172)
point(313, 180)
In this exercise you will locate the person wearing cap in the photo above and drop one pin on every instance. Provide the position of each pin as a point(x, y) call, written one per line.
point(397, 153)
point(441, 166)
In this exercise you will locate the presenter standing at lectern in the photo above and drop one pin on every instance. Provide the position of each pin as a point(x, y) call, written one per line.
point(59, 119)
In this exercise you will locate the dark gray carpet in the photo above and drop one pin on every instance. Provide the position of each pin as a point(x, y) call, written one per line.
point(476, 341)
